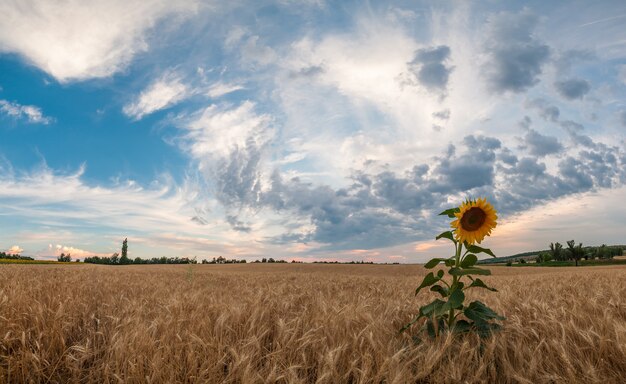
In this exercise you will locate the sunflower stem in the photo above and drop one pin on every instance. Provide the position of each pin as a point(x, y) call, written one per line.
point(455, 279)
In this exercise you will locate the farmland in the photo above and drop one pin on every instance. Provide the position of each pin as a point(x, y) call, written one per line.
point(300, 323)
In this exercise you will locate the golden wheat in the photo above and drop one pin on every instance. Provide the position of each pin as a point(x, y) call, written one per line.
point(299, 324)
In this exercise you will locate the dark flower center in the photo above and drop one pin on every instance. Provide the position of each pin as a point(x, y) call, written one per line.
point(473, 219)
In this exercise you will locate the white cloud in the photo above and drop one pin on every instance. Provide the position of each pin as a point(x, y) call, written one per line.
point(77, 40)
point(220, 89)
point(14, 250)
point(30, 112)
point(75, 203)
point(164, 92)
point(216, 131)
point(54, 251)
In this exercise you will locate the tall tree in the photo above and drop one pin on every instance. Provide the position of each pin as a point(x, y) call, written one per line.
point(576, 251)
point(556, 251)
point(124, 259)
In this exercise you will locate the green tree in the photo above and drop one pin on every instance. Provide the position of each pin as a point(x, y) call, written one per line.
point(576, 251)
point(556, 251)
point(124, 258)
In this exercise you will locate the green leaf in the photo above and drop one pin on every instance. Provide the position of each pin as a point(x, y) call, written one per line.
point(430, 328)
point(456, 299)
point(450, 262)
point(486, 328)
point(481, 284)
point(478, 312)
point(429, 280)
point(443, 291)
point(454, 271)
point(450, 212)
point(445, 235)
point(432, 263)
point(476, 249)
point(431, 308)
point(469, 260)
point(462, 326)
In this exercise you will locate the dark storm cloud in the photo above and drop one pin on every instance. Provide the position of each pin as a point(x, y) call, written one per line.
point(237, 176)
point(308, 72)
point(237, 225)
point(545, 110)
point(385, 208)
point(526, 184)
point(361, 216)
point(574, 174)
point(569, 58)
point(574, 130)
point(515, 56)
point(507, 157)
point(540, 145)
point(470, 170)
point(572, 89)
point(442, 115)
point(430, 69)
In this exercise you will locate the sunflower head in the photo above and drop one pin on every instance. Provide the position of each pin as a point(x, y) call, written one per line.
point(474, 220)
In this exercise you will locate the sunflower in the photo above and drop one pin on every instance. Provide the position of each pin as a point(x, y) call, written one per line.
point(474, 221)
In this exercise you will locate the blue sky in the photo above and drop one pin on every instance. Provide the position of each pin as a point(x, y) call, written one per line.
point(308, 129)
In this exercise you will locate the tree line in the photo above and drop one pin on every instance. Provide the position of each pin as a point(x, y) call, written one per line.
point(576, 252)
point(4, 255)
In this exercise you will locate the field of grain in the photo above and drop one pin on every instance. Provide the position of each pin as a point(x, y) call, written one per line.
point(299, 323)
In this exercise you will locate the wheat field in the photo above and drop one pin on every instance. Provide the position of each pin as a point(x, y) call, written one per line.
point(300, 323)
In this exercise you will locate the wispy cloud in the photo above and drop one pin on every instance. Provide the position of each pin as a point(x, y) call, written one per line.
point(30, 113)
point(78, 40)
point(14, 250)
point(164, 92)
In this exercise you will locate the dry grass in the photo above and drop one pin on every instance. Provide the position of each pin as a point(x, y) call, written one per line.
point(299, 324)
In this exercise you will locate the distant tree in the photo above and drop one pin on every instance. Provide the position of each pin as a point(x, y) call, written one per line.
point(115, 258)
point(556, 251)
point(575, 251)
point(124, 258)
point(64, 258)
point(264, 260)
point(544, 257)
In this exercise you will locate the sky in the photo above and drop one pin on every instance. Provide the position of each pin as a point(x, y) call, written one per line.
point(308, 130)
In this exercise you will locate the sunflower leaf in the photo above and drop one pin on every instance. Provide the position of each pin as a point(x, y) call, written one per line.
point(450, 262)
point(476, 249)
point(481, 284)
point(443, 291)
point(429, 280)
point(432, 263)
point(478, 311)
point(428, 309)
point(456, 299)
point(450, 212)
point(454, 271)
point(445, 235)
point(469, 260)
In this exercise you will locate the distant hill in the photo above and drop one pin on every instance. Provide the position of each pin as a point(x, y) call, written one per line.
point(524, 255)
point(528, 256)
